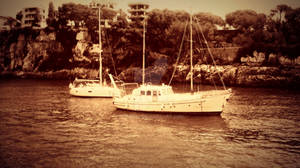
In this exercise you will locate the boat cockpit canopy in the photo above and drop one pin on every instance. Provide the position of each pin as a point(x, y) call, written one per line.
point(153, 90)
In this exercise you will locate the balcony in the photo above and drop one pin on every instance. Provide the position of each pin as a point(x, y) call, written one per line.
point(138, 5)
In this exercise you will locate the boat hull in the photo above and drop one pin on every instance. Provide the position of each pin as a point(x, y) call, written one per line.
point(196, 105)
point(100, 91)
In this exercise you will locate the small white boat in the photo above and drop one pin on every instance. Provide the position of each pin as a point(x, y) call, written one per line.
point(162, 99)
point(93, 88)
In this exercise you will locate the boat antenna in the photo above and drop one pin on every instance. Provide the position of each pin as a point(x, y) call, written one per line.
point(144, 44)
point(100, 45)
point(191, 51)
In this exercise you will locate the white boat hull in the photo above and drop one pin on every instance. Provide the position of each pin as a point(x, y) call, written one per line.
point(99, 91)
point(181, 104)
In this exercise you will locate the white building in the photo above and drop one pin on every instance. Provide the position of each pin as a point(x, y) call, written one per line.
point(138, 11)
point(33, 17)
point(102, 3)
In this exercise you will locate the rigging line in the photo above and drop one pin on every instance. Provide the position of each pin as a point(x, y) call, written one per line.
point(110, 49)
point(201, 45)
point(212, 56)
point(178, 56)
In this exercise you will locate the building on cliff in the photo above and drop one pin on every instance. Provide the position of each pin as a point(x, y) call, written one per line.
point(34, 17)
point(7, 23)
point(138, 11)
point(102, 3)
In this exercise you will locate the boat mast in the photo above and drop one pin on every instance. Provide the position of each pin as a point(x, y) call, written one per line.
point(100, 45)
point(191, 52)
point(144, 43)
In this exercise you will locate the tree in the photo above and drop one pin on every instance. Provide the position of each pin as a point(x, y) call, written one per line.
point(246, 20)
point(293, 25)
point(209, 24)
point(203, 17)
point(252, 34)
point(163, 27)
point(83, 15)
point(292, 34)
point(51, 11)
point(280, 10)
point(19, 17)
point(73, 12)
point(11, 22)
point(51, 20)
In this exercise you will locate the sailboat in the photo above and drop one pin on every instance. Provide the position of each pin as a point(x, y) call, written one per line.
point(162, 99)
point(93, 88)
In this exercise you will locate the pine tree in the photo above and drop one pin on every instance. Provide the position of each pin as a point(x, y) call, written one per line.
point(51, 20)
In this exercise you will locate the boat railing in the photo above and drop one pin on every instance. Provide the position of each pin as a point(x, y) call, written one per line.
point(127, 88)
point(83, 82)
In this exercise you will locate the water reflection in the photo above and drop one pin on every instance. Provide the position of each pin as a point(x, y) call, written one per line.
point(173, 120)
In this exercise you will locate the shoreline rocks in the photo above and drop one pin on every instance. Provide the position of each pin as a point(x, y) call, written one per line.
point(242, 76)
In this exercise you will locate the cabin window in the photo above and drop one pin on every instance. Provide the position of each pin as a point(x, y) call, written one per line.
point(148, 93)
point(154, 93)
point(142, 92)
point(159, 94)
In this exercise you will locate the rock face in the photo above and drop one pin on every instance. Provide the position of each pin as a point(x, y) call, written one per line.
point(153, 74)
point(221, 55)
point(256, 60)
point(82, 46)
point(16, 52)
point(241, 75)
point(79, 51)
point(28, 53)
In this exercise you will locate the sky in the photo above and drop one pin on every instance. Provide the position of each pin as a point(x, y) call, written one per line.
point(216, 7)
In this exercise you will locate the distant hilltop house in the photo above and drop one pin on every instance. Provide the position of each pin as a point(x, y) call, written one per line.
point(7, 23)
point(32, 17)
point(103, 3)
point(138, 11)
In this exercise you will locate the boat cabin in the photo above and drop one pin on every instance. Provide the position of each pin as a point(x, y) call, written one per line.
point(84, 82)
point(153, 90)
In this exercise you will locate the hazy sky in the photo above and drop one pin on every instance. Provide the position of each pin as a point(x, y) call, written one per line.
point(217, 7)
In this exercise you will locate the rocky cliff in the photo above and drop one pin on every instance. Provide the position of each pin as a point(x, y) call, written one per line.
point(66, 55)
point(253, 76)
point(29, 51)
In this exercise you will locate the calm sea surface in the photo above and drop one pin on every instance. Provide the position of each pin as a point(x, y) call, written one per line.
point(41, 125)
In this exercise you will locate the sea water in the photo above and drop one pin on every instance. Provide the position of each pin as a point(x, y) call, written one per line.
point(41, 125)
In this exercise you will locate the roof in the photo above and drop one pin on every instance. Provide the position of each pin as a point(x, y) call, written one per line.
point(154, 87)
point(133, 3)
